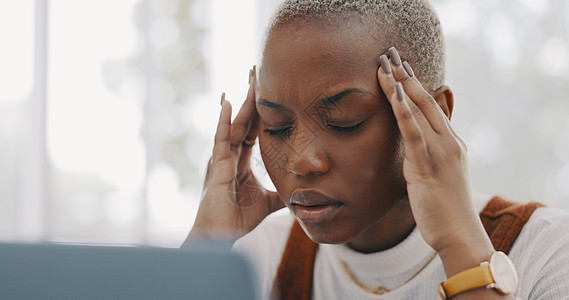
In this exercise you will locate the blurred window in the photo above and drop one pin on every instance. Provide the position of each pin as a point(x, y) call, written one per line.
point(108, 108)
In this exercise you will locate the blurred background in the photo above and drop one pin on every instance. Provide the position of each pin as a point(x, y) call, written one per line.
point(108, 108)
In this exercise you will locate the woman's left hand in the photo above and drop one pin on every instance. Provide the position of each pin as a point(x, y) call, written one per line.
point(435, 167)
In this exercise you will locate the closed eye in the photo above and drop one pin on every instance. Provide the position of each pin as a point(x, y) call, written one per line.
point(345, 129)
point(280, 132)
point(285, 132)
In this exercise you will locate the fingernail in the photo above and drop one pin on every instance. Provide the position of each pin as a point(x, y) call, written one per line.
point(399, 91)
point(394, 56)
point(222, 98)
point(250, 75)
point(408, 69)
point(385, 65)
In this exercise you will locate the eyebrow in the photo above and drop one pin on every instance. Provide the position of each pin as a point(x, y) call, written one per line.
point(328, 100)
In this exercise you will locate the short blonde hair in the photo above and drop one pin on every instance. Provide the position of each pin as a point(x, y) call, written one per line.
point(415, 25)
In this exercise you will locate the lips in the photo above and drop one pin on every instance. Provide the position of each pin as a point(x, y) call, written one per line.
point(313, 207)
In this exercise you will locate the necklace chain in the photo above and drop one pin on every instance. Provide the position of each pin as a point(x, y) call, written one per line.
point(380, 290)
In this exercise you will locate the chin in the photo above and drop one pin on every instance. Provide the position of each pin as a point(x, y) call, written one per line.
point(327, 234)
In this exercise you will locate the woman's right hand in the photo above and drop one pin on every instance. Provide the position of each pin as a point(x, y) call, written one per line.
point(233, 202)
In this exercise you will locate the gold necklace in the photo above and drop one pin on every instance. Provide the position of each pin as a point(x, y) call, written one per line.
point(380, 290)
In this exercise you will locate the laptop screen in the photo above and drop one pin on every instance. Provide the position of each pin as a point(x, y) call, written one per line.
point(45, 271)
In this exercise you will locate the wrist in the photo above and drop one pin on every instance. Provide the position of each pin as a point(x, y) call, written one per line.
point(211, 235)
point(207, 228)
point(494, 278)
point(466, 251)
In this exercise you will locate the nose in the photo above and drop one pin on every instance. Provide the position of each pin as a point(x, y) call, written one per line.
point(308, 162)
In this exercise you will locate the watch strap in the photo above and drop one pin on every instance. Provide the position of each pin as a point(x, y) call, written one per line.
point(472, 278)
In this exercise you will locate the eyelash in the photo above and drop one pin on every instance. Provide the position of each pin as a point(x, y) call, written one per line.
point(346, 129)
point(284, 131)
point(279, 132)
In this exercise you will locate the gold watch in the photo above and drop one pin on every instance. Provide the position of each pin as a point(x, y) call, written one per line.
point(497, 273)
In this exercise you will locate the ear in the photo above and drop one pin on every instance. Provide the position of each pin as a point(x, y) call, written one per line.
point(445, 99)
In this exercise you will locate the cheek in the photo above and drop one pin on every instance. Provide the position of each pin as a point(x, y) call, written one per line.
point(274, 157)
point(384, 154)
point(373, 161)
point(375, 150)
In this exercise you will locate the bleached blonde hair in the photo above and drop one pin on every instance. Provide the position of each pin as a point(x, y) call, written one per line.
point(413, 25)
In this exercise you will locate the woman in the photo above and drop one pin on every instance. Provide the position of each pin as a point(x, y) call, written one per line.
point(360, 148)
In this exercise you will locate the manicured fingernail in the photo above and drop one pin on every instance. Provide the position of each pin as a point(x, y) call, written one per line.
point(408, 69)
point(385, 65)
point(222, 99)
point(394, 56)
point(399, 91)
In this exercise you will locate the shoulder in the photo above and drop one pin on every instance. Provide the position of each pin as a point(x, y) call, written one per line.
point(547, 230)
point(540, 251)
point(548, 220)
point(541, 255)
point(547, 227)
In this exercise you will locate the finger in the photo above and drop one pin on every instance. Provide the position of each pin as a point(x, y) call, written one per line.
point(457, 137)
point(387, 82)
point(415, 144)
point(247, 146)
point(221, 147)
point(402, 72)
point(401, 69)
point(209, 168)
point(254, 130)
point(247, 113)
point(208, 172)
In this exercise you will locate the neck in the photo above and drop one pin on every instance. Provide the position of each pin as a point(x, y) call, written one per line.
point(387, 232)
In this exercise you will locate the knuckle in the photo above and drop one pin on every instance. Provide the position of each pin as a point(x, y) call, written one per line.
point(455, 148)
point(462, 144)
point(428, 99)
point(406, 115)
point(415, 136)
point(434, 168)
point(407, 80)
point(219, 139)
point(416, 110)
point(457, 152)
point(432, 165)
point(234, 142)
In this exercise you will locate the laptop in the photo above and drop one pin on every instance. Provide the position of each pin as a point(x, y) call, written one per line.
point(48, 271)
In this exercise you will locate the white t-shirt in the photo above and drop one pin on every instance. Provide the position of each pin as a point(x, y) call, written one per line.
point(540, 254)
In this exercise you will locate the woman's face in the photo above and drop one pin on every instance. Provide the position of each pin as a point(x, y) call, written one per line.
point(327, 134)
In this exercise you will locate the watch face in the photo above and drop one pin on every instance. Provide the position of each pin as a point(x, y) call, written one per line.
point(504, 273)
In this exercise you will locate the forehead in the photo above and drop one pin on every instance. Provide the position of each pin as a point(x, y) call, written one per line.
point(319, 53)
